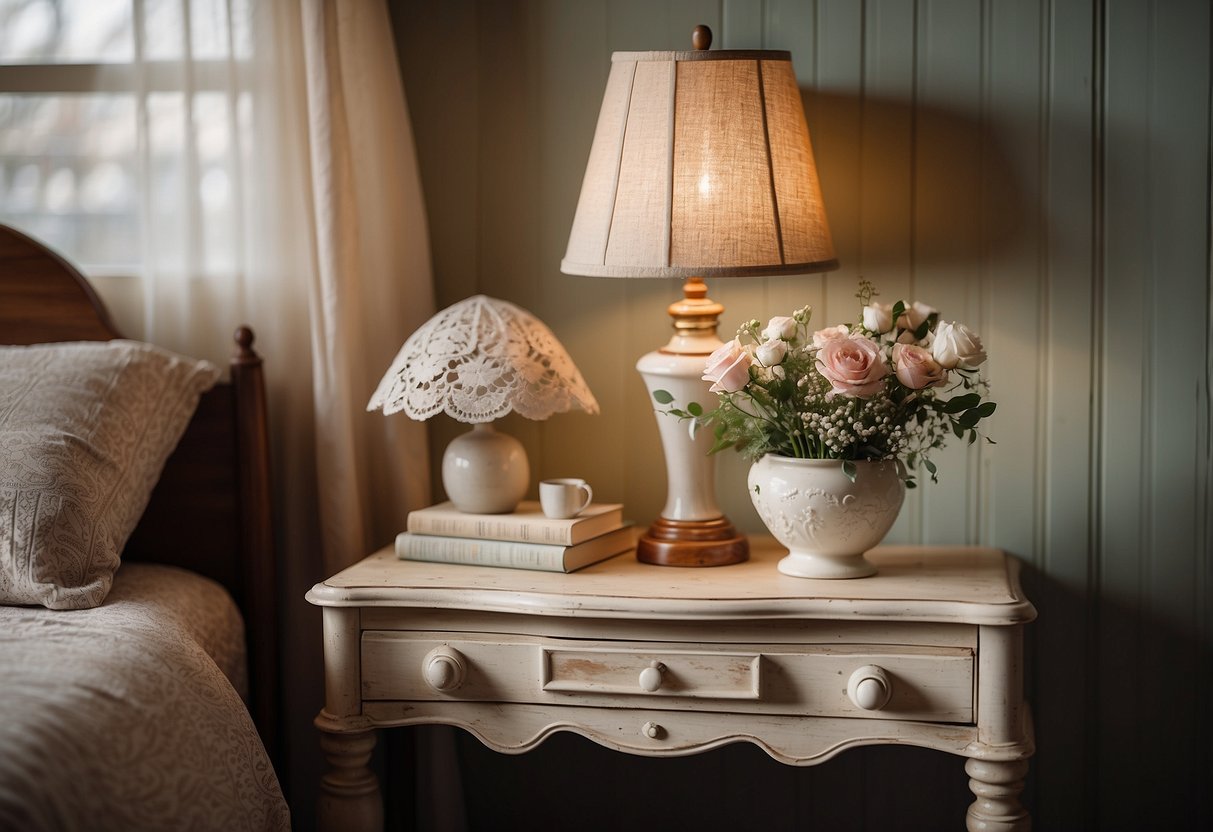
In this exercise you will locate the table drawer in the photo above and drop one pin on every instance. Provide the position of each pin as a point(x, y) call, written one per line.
point(919, 682)
point(701, 674)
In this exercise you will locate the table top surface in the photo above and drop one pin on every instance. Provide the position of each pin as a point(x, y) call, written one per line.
point(914, 583)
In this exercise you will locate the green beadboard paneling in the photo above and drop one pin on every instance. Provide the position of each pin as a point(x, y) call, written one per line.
point(1038, 169)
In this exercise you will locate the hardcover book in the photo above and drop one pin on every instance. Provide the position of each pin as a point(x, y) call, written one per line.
point(546, 557)
point(526, 524)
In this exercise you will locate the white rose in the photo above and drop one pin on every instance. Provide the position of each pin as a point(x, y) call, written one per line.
point(771, 353)
point(878, 317)
point(780, 328)
point(915, 314)
point(957, 346)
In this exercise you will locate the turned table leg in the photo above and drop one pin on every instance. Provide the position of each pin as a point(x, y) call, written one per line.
point(996, 787)
point(349, 792)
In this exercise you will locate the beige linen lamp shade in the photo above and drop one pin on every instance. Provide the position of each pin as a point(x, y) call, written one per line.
point(701, 166)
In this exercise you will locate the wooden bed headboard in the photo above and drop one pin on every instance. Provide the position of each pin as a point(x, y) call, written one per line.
point(211, 510)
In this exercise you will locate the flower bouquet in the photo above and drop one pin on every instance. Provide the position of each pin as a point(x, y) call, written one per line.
point(862, 405)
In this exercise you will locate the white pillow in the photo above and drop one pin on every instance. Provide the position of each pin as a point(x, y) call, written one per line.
point(85, 429)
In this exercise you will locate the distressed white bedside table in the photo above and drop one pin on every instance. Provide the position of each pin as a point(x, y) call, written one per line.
point(665, 661)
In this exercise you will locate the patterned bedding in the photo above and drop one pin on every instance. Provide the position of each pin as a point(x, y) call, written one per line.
point(127, 716)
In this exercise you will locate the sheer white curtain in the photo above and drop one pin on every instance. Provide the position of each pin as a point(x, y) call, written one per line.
point(213, 162)
point(217, 162)
point(349, 224)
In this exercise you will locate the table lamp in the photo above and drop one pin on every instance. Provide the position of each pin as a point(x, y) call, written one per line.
point(701, 165)
point(478, 360)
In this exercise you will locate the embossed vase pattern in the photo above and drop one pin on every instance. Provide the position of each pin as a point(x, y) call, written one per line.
point(826, 521)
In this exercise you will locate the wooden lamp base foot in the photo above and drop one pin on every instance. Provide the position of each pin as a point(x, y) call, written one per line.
point(692, 543)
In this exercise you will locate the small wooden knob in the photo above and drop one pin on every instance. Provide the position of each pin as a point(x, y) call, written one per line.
point(701, 37)
point(870, 688)
point(651, 730)
point(650, 677)
point(443, 669)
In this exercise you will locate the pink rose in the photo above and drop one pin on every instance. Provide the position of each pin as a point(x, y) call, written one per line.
point(830, 333)
point(728, 368)
point(916, 368)
point(853, 366)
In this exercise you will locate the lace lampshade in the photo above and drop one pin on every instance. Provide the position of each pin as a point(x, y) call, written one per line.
point(478, 360)
point(701, 165)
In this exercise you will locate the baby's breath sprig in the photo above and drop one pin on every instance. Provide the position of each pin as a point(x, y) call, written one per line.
point(866, 292)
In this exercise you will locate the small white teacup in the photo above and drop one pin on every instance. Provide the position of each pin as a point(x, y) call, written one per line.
point(564, 498)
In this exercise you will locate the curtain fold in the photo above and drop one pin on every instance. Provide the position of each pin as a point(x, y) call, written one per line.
point(372, 284)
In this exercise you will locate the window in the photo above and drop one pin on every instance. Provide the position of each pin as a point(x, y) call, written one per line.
point(116, 111)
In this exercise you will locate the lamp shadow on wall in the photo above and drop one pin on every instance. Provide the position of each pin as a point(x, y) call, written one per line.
point(913, 185)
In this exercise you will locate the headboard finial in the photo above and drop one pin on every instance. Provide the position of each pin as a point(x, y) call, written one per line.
point(244, 338)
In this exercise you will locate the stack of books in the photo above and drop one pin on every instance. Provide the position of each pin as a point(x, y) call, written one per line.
point(523, 539)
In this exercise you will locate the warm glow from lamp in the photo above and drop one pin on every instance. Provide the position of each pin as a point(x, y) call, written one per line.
point(701, 165)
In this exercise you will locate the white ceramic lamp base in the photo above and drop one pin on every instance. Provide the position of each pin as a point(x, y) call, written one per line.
point(692, 530)
point(485, 472)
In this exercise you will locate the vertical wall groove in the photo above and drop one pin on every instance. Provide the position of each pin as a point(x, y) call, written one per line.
point(1205, 496)
point(1040, 506)
point(1091, 697)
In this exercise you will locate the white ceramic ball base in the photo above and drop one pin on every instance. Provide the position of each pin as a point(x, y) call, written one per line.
point(485, 472)
point(824, 520)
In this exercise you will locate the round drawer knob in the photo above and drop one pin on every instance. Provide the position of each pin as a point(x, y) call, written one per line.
point(870, 688)
point(443, 668)
point(652, 730)
point(650, 677)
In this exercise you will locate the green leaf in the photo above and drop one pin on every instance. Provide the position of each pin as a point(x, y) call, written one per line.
point(663, 396)
point(848, 468)
point(899, 309)
point(695, 409)
point(972, 436)
point(781, 389)
point(986, 409)
point(961, 403)
point(930, 466)
point(969, 418)
point(958, 430)
point(921, 332)
point(911, 484)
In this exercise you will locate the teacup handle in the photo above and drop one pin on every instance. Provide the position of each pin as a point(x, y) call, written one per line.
point(589, 496)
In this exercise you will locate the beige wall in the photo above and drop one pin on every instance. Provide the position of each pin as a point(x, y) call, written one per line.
point(1036, 169)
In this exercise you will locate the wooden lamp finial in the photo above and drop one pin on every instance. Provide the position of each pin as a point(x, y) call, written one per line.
point(701, 37)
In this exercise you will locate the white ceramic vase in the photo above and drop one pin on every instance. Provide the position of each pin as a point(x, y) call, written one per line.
point(826, 521)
